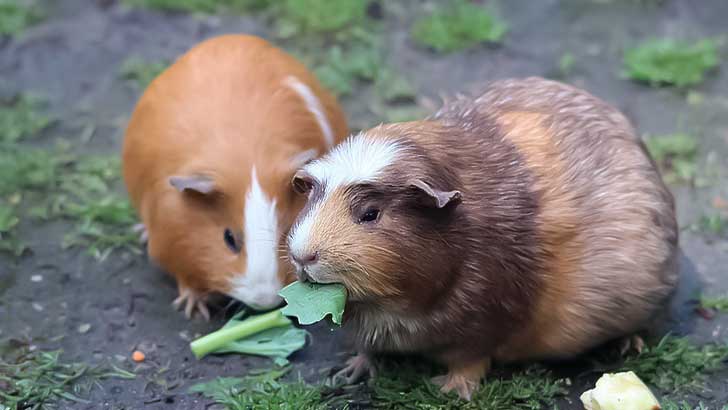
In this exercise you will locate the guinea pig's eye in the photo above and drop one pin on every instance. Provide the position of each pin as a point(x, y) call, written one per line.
point(370, 215)
point(230, 241)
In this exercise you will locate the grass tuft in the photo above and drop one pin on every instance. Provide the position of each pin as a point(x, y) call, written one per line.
point(34, 379)
point(676, 365)
point(319, 16)
point(410, 388)
point(141, 73)
point(17, 15)
point(20, 118)
point(567, 61)
point(669, 62)
point(200, 6)
point(675, 154)
point(75, 188)
point(715, 302)
point(457, 26)
point(714, 224)
point(263, 391)
point(341, 69)
point(9, 220)
point(684, 405)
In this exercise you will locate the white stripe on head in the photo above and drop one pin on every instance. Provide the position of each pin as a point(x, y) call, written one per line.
point(313, 105)
point(356, 160)
point(259, 285)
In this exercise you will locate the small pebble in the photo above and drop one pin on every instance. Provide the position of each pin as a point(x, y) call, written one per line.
point(36, 278)
point(84, 328)
point(138, 356)
point(37, 306)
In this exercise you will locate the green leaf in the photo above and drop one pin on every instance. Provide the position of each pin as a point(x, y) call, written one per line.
point(311, 302)
point(277, 343)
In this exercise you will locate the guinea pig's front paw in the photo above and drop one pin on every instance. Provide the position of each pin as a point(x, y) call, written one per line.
point(192, 301)
point(356, 368)
point(633, 342)
point(143, 233)
point(463, 379)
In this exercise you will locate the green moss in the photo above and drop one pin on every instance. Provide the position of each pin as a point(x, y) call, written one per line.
point(675, 154)
point(669, 62)
point(676, 365)
point(17, 15)
point(141, 73)
point(457, 26)
point(20, 118)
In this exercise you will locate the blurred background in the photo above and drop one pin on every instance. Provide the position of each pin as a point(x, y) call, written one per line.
point(72, 275)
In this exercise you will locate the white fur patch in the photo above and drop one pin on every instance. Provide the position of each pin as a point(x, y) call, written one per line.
point(314, 107)
point(259, 285)
point(356, 160)
point(300, 233)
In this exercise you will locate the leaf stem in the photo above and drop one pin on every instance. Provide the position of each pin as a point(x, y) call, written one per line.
point(255, 324)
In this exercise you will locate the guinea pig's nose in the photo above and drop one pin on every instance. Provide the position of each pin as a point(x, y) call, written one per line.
point(306, 259)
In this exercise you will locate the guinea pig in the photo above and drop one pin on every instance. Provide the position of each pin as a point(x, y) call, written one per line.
point(527, 223)
point(208, 156)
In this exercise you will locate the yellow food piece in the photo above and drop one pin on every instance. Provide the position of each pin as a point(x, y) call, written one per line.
point(138, 356)
point(620, 391)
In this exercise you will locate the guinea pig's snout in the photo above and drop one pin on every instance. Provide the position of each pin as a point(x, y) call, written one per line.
point(303, 264)
point(306, 259)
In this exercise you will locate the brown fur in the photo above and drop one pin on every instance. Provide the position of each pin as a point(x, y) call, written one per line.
point(219, 110)
point(566, 235)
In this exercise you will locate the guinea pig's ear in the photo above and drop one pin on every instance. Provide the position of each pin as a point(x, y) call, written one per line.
point(194, 183)
point(302, 158)
point(302, 182)
point(435, 198)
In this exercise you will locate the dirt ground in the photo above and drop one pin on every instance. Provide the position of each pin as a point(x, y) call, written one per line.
point(73, 60)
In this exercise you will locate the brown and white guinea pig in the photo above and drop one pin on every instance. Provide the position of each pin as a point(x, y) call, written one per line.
point(526, 223)
point(208, 157)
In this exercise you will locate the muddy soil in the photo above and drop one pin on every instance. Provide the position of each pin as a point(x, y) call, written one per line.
point(73, 60)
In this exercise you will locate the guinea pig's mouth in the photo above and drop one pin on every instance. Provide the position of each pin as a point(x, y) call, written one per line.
point(306, 274)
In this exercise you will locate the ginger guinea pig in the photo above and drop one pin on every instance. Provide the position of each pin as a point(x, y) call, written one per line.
point(208, 157)
point(526, 223)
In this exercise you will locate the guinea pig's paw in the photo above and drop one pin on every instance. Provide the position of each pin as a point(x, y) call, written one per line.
point(463, 380)
point(356, 368)
point(143, 233)
point(191, 301)
point(633, 342)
